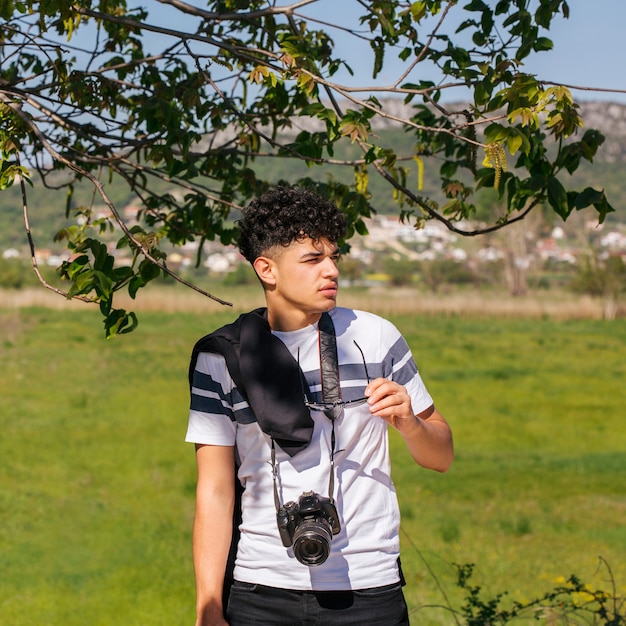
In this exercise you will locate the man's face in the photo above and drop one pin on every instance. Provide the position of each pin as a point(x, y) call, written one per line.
point(304, 281)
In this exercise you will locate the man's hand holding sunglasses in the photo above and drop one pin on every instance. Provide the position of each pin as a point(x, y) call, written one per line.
point(427, 434)
point(390, 401)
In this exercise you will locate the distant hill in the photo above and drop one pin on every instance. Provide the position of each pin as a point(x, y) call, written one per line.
point(610, 119)
point(607, 117)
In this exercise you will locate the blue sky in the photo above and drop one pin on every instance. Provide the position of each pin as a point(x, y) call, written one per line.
point(589, 47)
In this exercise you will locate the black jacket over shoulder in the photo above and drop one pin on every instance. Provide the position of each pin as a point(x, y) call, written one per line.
point(270, 380)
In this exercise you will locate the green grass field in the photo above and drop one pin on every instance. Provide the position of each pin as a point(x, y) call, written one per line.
point(97, 486)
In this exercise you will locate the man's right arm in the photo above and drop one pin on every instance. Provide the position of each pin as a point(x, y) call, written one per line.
point(212, 529)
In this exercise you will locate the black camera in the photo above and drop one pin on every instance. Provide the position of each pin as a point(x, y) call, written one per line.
point(309, 527)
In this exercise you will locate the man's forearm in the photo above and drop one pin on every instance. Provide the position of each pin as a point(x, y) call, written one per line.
point(211, 542)
point(429, 440)
point(212, 529)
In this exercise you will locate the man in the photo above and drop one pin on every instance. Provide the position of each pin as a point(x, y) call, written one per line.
point(267, 408)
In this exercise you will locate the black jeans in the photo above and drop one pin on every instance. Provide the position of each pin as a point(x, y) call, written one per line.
point(251, 604)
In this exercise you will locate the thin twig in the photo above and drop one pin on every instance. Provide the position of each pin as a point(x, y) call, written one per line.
point(432, 574)
point(31, 244)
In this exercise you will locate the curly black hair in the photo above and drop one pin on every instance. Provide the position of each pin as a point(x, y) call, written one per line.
point(283, 215)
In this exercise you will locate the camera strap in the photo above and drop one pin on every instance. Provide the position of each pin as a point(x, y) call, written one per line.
point(331, 392)
point(331, 478)
point(329, 365)
point(331, 386)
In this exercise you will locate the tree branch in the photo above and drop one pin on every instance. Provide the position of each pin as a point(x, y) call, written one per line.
point(107, 201)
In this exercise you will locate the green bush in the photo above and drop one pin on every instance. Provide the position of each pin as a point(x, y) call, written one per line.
point(243, 274)
point(14, 273)
point(439, 272)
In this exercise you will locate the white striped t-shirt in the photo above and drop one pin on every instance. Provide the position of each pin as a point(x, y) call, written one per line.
point(364, 554)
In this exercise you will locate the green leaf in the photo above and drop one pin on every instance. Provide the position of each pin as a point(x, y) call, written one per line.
point(129, 324)
point(542, 44)
point(119, 322)
point(105, 306)
point(103, 284)
point(482, 92)
point(149, 270)
point(476, 5)
point(557, 197)
point(496, 133)
point(418, 10)
point(587, 197)
point(604, 208)
point(360, 227)
point(514, 142)
point(83, 284)
point(448, 169)
point(121, 274)
point(135, 285)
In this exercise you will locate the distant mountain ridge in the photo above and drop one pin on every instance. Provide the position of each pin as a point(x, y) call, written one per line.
point(610, 119)
point(607, 117)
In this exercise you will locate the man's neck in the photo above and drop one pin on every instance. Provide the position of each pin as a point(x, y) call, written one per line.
point(288, 322)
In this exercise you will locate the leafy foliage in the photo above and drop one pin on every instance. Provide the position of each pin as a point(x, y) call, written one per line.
point(103, 90)
point(569, 602)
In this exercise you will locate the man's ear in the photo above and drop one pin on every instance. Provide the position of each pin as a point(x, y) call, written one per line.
point(264, 267)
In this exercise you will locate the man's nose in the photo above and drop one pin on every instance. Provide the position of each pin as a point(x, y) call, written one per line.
point(330, 268)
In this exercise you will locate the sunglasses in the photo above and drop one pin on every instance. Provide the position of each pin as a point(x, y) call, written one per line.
point(331, 406)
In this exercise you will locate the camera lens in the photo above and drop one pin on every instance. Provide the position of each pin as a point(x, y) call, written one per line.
point(311, 542)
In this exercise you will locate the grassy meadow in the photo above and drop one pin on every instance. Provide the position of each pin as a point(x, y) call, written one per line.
point(97, 485)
